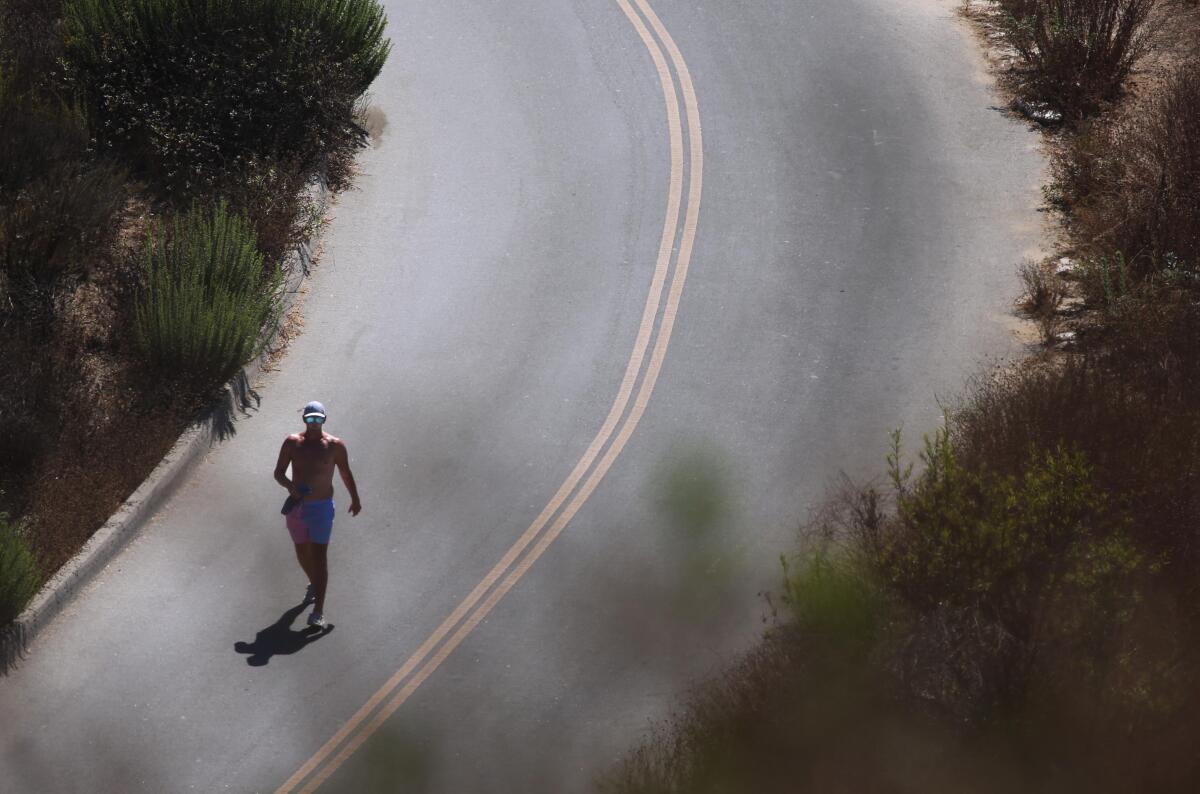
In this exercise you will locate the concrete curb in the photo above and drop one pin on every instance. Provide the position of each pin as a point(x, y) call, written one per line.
point(214, 425)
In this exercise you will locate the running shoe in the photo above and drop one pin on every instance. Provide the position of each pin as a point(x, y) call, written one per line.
point(316, 619)
point(310, 594)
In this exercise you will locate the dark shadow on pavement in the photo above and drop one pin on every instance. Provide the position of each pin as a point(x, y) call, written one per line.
point(237, 397)
point(279, 638)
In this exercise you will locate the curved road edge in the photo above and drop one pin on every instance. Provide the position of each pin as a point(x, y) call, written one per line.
point(214, 426)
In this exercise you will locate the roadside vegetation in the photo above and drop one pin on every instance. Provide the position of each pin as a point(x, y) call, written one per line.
point(208, 299)
point(1017, 608)
point(155, 164)
point(18, 572)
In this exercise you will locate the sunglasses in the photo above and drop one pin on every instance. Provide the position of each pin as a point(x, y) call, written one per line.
point(314, 420)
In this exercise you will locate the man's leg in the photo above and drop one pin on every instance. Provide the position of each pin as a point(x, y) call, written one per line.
point(304, 553)
point(320, 573)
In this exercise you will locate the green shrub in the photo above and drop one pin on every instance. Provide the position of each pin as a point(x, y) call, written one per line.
point(832, 596)
point(1133, 410)
point(209, 299)
point(1005, 544)
point(18, 572)
point(192, 91)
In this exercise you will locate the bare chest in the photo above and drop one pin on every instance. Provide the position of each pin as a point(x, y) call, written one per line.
point(313, 455)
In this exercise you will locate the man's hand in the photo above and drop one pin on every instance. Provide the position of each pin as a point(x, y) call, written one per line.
point(341, 459)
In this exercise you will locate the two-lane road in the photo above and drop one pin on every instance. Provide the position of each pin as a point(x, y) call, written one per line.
point(489, 329)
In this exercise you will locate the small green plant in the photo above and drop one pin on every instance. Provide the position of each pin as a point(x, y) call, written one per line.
point(208, 300)
point(832, 596)
point(18, 572)
point(898, 473)
point(1116, 290)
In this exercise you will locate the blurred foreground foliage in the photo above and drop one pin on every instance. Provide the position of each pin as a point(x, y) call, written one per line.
point(1022, 613)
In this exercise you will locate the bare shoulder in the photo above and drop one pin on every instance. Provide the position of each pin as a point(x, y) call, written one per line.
point(339, 448)
point(292, 440)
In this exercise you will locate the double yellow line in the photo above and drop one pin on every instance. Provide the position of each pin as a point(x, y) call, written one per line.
point(512, 566)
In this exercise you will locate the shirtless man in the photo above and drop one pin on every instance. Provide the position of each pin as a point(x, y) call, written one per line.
point(313, 455)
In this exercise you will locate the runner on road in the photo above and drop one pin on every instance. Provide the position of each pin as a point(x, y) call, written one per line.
point(313, 455)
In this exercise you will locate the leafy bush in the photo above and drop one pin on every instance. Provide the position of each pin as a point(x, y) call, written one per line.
point(1135, 417)
point(1005, 545)
point(192, 91)
point(1078, 53)
point(18, 572)
point(209, 299)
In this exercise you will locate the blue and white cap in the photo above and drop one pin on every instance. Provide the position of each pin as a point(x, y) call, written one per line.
point(314, 408)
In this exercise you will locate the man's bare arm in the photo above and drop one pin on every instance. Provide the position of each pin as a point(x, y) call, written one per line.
point(341, 459)
point(285, 459)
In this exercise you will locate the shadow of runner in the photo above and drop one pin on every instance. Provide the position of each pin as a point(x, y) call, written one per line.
point(279, 638)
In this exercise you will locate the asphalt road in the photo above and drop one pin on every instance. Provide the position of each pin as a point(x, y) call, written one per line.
point(863, 210)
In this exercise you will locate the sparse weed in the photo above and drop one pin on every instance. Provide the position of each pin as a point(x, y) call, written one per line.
point(1044, 289)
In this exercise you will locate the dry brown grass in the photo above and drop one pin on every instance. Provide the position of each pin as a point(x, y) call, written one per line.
point(86, 476)
point(1131, 182)
point(1044, 290)
point(1042, 297)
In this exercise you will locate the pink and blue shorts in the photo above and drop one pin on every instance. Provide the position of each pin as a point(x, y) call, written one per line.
point(311, 522)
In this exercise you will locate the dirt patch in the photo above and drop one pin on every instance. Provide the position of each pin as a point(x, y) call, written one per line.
point(87, 476)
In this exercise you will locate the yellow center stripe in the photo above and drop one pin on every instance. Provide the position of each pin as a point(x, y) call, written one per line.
point(362, 725)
